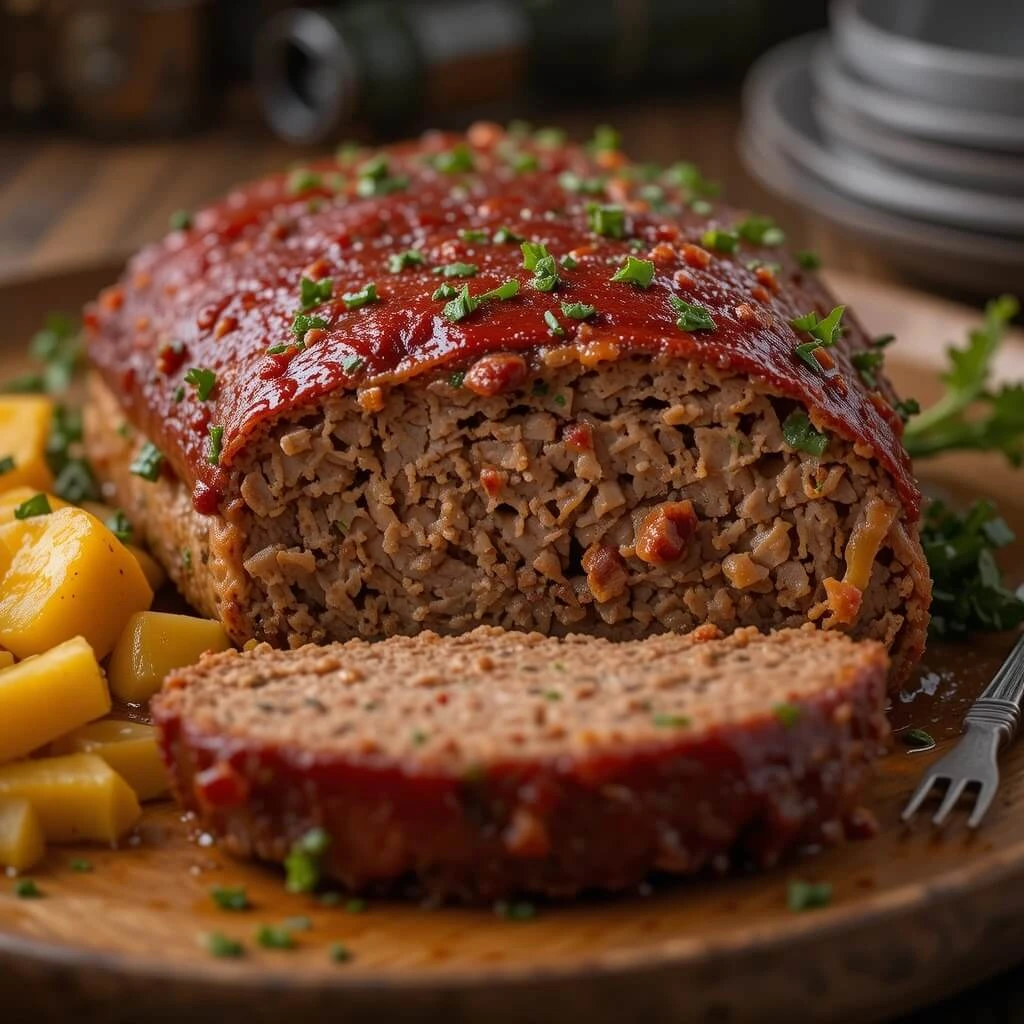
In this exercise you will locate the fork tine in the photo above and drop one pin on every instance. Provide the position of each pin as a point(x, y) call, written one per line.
point(920, 794)
point(956, 788)
point(985, 796)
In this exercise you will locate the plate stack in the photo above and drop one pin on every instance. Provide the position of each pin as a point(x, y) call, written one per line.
point(906, 126)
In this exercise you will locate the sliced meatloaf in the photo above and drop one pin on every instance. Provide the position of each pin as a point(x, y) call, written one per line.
point(485, 380)
point(497, 762)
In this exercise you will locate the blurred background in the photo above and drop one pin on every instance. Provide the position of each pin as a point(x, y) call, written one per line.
point(890, 136)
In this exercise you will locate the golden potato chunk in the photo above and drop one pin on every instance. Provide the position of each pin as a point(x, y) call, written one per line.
point(22, 844)
point(44, 697)
point(24, 429)
point(75, 797)
point(151, 568)
point(68, 576)
point(128, 747)
point(11, 499)
point(154, 644)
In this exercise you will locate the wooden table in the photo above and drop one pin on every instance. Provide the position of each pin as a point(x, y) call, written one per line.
point(70, 204)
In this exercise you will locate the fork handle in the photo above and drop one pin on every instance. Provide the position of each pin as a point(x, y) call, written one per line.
point(999, 705)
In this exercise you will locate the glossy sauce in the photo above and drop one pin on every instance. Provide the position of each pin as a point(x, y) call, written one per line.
point(226, 290)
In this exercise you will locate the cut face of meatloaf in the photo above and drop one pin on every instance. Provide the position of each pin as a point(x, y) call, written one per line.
point(497, 762)
point(622, 436)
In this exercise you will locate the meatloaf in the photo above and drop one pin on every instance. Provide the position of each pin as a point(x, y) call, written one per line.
point(489, 379)
point(496, 763)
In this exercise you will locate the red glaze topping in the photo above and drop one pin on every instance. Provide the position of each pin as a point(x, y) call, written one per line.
point(222, 293)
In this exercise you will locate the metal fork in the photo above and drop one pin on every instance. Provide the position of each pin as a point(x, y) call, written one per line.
point(990, 723)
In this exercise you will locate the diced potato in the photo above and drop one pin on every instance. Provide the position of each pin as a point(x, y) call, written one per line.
point(45, 697)
point(128, 747)
point(6, 660)
point(15, 496)
point(22, 844)
point(154, 573)
point(69, 576)
point(24, 429)
point(154, 644)
point(76, 797)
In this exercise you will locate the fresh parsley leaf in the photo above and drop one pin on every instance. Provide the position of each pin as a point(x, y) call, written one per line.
point(760, 231)
point(358, 299)
point(918, 739)
point(457, 160)
point(634, 271)
point(608, 221)
point(203, 380)
point(147, 462)
point(180, 220)
point(119, 526)
point(572, 182)
point(802, 896)
point(214, 444)
point(693, 317)
point(303, 323)
point(313, 293)
point(720, 240)
point(555, 329)
point(687, 176)
point(398, 261)
point(578, 310)
point(457, 270)
point(799, 434)
point(302, 865)
point(230, 897)
point(808, 259)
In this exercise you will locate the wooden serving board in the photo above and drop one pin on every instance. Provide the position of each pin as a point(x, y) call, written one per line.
point(915, 915)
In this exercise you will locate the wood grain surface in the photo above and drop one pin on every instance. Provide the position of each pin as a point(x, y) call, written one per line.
point(915, 916)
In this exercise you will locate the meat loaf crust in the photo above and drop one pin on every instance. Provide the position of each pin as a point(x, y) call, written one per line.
point(397, 469)
point(494, 764)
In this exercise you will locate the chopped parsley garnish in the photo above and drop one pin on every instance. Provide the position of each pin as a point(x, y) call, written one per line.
point(203, 380)
point(363, 297)
point(824, 334)
point(457, 270)
point(769, 265)
point(26, 889)
point(303, 323)
point(352, 364)
point(760, 231)
point(446, 291)
point(214, 444)
point(787, 714)
point(474, 235)
point(37, 505)
point(802, 896)
point(868, 363)
point(455, 379)
point(554, 327)
point(607, 220)
point(457, 160)
point(75, 482)
point(918, 738)
point(578, 310)
point(181, 220)
point(220, 945)
point(230, 897)
point(340, 953)
point(58, 348)
point(179, 393)
point(665, 721)
point(522, 163)
point(119, 526)
point(808, 259)
point(275, 936)
point(537, 258)
point(80, 865)
point(572, 182)
point(634, 271)
point(907, 407)
point(720, 240)
point(971, 415)
point(688, 177)
point(799, 434)
point(399, 261)
point(303, 180)
point(568, 262)
point(692, 316)
point(313, 293)
point(515, 911)
point(6, 464)
point(967, 587)
point(559, 400)
point(463, 303)
point(532, 253)
point(605, 138)
point(505, 236)
point(302, 865)
point(375, 179)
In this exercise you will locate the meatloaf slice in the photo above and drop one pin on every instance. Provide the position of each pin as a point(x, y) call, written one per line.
point(498, 762)
point(615, 429)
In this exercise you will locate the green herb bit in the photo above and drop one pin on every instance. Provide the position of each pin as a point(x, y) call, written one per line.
point(347, 152)
point(907, 407)
point(688, 177)
point(180, 220)
point(75, 482)
point(340, 953)
point(701, 207)
point(302, 865)
point(634, 271)
point(760, 231)
point(522, 163)
point(375, 179)
point(569, 262)
point(607, 221)
point(7, 464)
point(37, 505)
point(303, 323)
point(313, 293)
point(213, 447)
point(399, 261)
point(203, 380)
point(230, 897)
point(533, 252)
point(457, 270)
point(549, 138)
point(186, 559)
point(446, 291)
point(352, 364)
point(505, 236)
point(787, 714)
point(458, 160)
point(802, 896)
point(274, 936)
point(826, 331)
point(664, 721)
point(356, 906)
point(769, 265)
point(220, 945)
point(515, 911)
point(463, 303)
point(119, 526)
point(559, 400)
point(868, 364)
point(455, 379)
point(720, 240)
point(918, 738)
point(473, 235)
point(572, 182)
point(363, 297)
point(26, 889)
point(653, 194)
point(692, 316)
point(808, 259)
point(179, 393)
point(274, 350)
point(80, 865)
point(578, 310)
point(303, 180)
point(555, 329)
point(545, 274)
point(605, 138)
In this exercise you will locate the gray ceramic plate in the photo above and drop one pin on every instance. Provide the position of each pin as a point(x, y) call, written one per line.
point(938, 161)
point(915, 117)
point(779, 100)
point(951, 53)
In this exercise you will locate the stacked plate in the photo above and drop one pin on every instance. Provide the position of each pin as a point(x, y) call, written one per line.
point(905, 125)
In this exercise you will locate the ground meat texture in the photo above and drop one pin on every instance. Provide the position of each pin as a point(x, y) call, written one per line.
point(499, 763)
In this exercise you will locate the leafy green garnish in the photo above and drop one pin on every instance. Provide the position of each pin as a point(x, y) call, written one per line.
point(398, 261)
point(463, 303)
point(824, 334)
point(313, 293)
point(970, 415)
point(967, 587)
point(275, 936)
point(230, 897)
point(119, 526)
point(147, 462)
point(607, 220)
point(808, 259)
point(808, 895)
point(578, 310)
point(572, 182)
point(720, 240)
point(302, 865)
point(537, 258)
point(787, 714)
point(358, 299)
point(504, 236)
point(214, 444)
point(798, 433)
point(518, 911)
point(688, 177)
point(457, 270)
point(303, 180)
point(555, 329)
point(634, 271)
point(375, 179)
point(203, 380)
point(58, 348)
point(26, 889)
point(692, 317)
point(760, 231)
point(220, 945)
point(303, 323)
point(457, 160)
point(180, 220)
point(918, 738)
